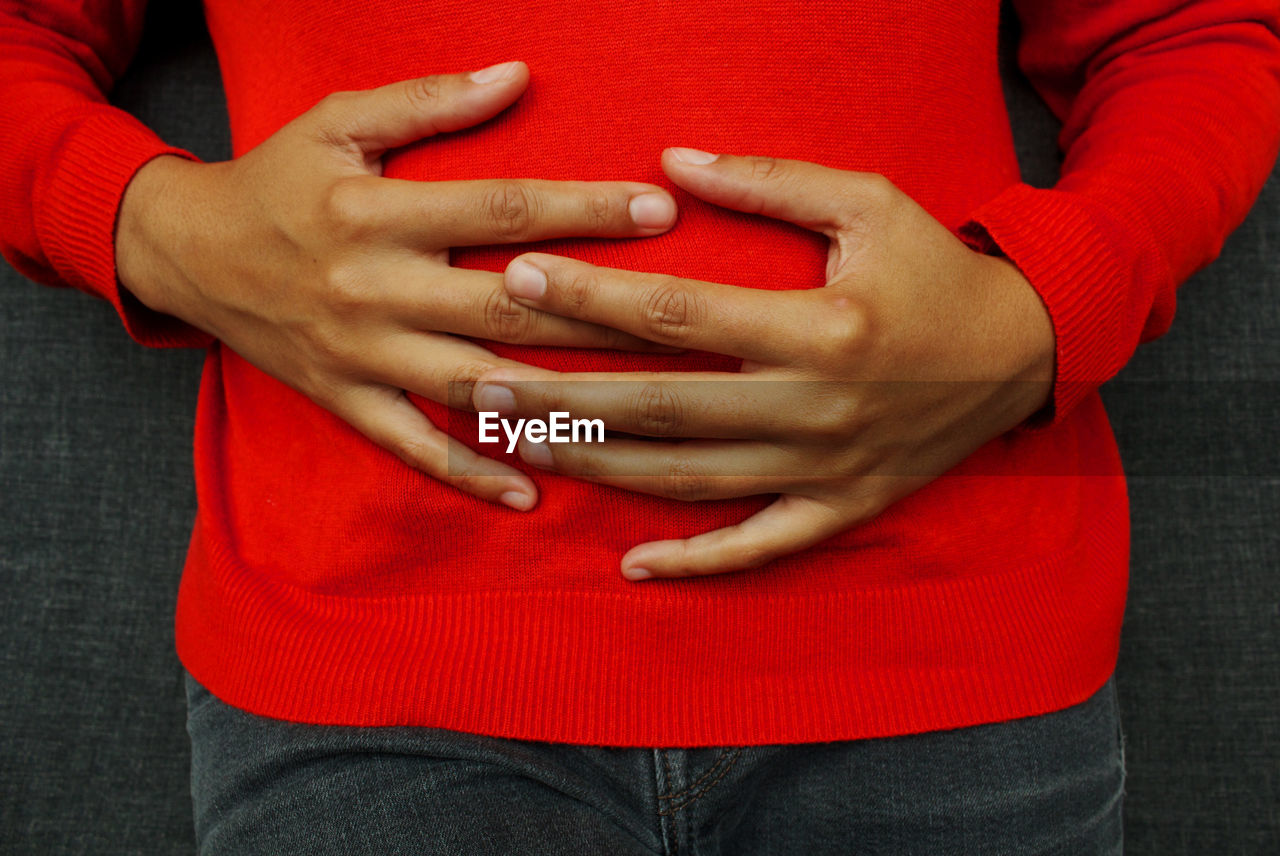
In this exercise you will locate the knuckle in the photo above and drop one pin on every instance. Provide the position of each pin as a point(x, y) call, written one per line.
point(599, 211)
point(467, 475)
point(509, 210)
point(346, 290)
point(575, 291)
point(753, 554)
point(657, 411)
point(685, 481)
point(846, 331)
point(765, 168)
point(670, 311)
point(461, 383)
point(349, 208)
point(838, 417)
point(422, 92)
point(505, 320)
point(331, 350)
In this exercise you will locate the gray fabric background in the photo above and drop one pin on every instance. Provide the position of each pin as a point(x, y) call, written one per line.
point(96, 493)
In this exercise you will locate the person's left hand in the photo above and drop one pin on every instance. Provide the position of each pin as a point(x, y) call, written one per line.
point(917, 352)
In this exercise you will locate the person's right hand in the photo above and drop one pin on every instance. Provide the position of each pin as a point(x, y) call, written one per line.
point(307, 262)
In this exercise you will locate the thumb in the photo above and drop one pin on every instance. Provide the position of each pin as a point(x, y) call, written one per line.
point(374, 120)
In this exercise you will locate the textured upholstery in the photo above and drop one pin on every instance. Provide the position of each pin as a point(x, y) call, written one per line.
point(95, 486)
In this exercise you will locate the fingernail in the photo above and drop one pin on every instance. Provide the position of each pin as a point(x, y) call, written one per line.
point(516, 499)
point(637, 573)
point(525, 280)
point(693, 156)
point(652, 210)
point(494, 73)
point(491, 396)
point(535, 453)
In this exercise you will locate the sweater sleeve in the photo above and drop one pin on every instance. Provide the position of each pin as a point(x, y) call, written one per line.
point(66, 155)
point(1171, 124)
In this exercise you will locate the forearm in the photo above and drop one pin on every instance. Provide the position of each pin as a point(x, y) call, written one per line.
point(1171, 126)
point(66, 155)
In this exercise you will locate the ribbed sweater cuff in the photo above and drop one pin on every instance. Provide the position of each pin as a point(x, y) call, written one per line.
point(78, 199)
point(1065, 248)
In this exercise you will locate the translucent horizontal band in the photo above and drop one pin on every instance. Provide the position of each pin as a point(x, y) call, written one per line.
point(1165, 428)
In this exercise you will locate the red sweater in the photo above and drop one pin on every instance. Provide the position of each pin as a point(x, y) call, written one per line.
point(327, 582)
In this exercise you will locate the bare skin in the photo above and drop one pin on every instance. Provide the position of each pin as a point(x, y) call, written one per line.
point(335, 280)
point(916, 352)
point(303, 259)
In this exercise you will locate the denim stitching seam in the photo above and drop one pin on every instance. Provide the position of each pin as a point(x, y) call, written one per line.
point(724, 753)
point(704, 791)
point(666, 772)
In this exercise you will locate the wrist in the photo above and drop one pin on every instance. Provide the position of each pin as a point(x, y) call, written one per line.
point(148, 232)
point(1029, 339)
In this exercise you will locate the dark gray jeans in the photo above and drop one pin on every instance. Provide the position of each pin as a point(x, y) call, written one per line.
point(1048, 784)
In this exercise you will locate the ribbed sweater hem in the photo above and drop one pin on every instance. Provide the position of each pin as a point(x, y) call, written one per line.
point(678, 669)
point(97, 155)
